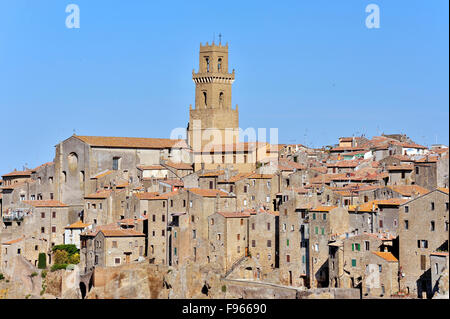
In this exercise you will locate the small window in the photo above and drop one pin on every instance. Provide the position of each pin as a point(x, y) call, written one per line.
point(253, 243)
point(324, 216)
point(269, 243)
point(114, 244)
point(432, 205)
point(242, 221)
point(406, 224)
point(367, 245)
point(212, 221)
point(238, 236)
point(116, 260)
point(53, 229)
point(432, 225)
point(406, 209)
point(116, 163)
point(287, 242)
point(353, 262)
point(268, 226)
point(423, 262)
point(53, 214)
point(288, 258)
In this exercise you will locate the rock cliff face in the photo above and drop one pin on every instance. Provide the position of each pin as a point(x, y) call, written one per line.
point(156, 282)
point(443, 286)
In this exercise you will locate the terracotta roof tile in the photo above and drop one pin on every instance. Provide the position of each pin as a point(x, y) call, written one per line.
point(18, 173)
point(211, 174)
point(179, 166)
point(404, 167)
point(408, 190)
point(45, 203)
point(173, 182)
point(146, 195)
point(120, 232)
point(14, 241)
point(323, 208)
point(77, 225)
point(99, 195)
point(102, 174)
point(151, 167)
point(132, 142)
point(208, 192)
point(386, 256)
point(234, 214)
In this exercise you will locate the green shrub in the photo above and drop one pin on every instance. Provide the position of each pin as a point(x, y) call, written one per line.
point(58, 267)
point(70, 249)
point(44, 273)
point(61, 257)
point(224, 288)
point(42, 263)
point(34, 274)
point(1, 276)
point(74, 259)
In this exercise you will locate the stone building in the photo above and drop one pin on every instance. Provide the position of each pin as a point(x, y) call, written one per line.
point(423, 229)
point(438, 265)
point(79, 158)
point(110, 245)
point(72, 233)
point(381, 275)
point(324, 222)
point(294, 244)
point(263, 237)
point(228, 238)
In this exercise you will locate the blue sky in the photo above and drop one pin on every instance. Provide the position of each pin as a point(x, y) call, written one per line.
point(310, 68)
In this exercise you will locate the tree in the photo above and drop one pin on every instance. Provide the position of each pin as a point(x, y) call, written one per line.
point(42, 261)
point(61, 257)
point(74, 259)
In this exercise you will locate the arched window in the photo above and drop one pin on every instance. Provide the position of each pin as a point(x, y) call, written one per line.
point(219, 65)
point(81, 176)
point(207, 64)
point(221, 99)
point(72, 160)
point(204, 96)
point(64, 176)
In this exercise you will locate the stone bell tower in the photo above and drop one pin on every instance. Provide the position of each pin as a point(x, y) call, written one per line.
point(213, 110)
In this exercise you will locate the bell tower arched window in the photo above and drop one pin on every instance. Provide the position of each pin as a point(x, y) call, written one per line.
point(207, 64)
point(219, 65)
point(204, 95)
point(221, 99)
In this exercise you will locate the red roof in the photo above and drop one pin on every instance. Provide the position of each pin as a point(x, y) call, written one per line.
point(45, 203)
